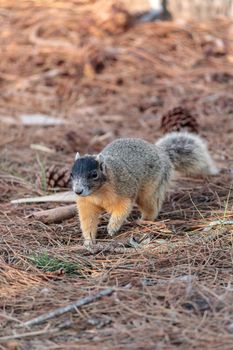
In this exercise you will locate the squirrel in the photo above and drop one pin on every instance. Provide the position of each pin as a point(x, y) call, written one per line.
point(132, 171)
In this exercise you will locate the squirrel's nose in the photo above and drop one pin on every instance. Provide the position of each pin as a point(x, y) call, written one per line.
point(80, 191)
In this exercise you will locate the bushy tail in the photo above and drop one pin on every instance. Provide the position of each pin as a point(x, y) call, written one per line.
point(188, 153)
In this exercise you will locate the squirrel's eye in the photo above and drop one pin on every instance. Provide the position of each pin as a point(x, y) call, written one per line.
point(94, 175)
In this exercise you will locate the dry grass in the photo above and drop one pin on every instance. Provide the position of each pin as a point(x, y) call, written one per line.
point(106, 84)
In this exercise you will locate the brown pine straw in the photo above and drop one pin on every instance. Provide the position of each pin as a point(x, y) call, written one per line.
point(107, 76)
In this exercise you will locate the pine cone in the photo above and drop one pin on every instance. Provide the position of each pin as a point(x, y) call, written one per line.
point(115, 19)
point(55, 177)
point(179, 119)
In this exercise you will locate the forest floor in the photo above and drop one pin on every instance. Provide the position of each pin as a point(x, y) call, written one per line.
point(105, 78)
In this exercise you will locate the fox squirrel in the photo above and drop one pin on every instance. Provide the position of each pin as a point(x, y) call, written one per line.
point(129, 171)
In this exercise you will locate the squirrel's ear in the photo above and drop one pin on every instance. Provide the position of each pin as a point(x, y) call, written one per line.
point(77, 155)
point(100, 159)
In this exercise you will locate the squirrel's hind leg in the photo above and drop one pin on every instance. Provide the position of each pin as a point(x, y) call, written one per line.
point(119, 213)
point(150, 201)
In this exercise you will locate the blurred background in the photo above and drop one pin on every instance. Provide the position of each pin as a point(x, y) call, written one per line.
point(76, 74)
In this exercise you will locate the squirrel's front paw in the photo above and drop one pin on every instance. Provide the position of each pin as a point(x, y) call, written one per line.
point(112, 230)
point(89, 244)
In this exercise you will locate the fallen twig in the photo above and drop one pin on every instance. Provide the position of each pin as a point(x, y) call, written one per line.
point(56, 214)
point(184, 278)
point(71, 307)
point(28, 334)
point(162, 246)
point(56, 197)
point(110, 248)
point(42, 148)
point(218, 222)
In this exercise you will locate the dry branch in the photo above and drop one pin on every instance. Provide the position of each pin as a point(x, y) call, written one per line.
point(57, 197)
point(112, 247)
point(71, 307)
point(56, 215)
point(28, 334)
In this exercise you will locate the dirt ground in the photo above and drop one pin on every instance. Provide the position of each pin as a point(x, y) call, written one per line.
point(108, 76)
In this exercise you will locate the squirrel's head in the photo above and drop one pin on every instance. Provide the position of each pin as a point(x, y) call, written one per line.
point(88, 174)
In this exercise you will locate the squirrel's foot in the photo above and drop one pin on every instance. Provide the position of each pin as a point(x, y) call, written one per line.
point(214, 170)
point(89, 245)
point(112, 230)
point(148, 217)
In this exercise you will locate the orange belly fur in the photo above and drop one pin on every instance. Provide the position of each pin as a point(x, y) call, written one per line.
point(105, 199)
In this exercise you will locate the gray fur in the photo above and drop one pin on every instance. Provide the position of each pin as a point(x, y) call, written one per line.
point(132, 163)
point(188, 153)
point(135, 166)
